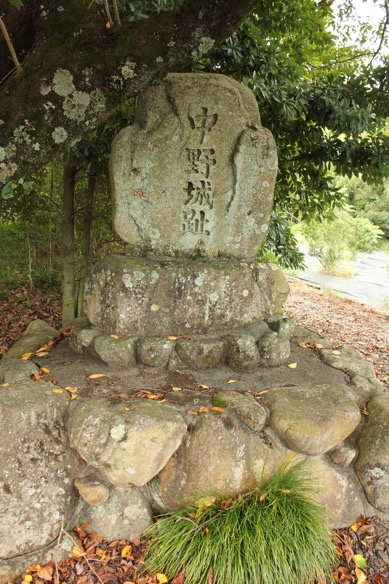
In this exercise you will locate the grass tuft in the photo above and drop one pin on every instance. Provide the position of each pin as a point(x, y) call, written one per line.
point(273, 534)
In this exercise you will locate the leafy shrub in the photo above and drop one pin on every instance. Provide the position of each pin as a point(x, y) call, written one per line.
point(273, 534)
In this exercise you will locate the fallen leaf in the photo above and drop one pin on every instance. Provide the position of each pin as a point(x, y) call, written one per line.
point(27, 578)
point(46, 572)
point(360, 575)
point(263, 497)
point(36, 377)
point(201, 386)
point(162, 579)
point(360, 561)
point(71, 389)
point(318, 346)
point(179, 579)
point(172, 338)
point(285, 491)
point(96, 376)
point(126, 551)
point(57, 390)
point(26, 356)
point(45, 370)
point(4, 385)
point(232, 381)
point(262, 392)
point(303, 345)
point(336, 352)
point(292, 365)
point(203, 410)
point(176, 388)
point(190, 412)
point(216, 410)
point(114, 336)
point(42, 353)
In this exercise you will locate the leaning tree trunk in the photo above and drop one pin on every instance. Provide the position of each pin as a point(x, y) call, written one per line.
point(87, 231)
point(68, 256)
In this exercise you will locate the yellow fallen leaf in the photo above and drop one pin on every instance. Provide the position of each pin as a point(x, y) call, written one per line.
point(27, 578)
point(360, 561)
point(319, 346)
point(4, 385)
point(160, 401)
point(172, 338)
point(203, 410)
point(292, 365)
point(96, 376)
point(263, 392)
point(303, 345)
point(360, 575)
point(57, 390)
point(285, 491)
point(263, 497)
point(127, 408)
point(46, 572)
point(216, 410)
point(126, 551)
point(205, 502)
point(114, 336)
point(201, 386)
point(162, 579)
point(176, 388)
point(41, 353)
point(26, 356)
point(45, 370)
point(336, 352)
point(232, 381)
point(71, 389)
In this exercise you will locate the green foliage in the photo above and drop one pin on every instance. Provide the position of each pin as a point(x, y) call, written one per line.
point(281, 246)
point(16, 3)
point(275, 533)
point(329, 240)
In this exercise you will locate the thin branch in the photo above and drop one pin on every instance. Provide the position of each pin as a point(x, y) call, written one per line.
point(18, 67)
point(107, 12)
point(118, 22)
point(385, 25)
point(83, 555)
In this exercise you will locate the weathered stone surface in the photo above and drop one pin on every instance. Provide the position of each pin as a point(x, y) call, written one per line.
point(195, 174)
point(201, 353)
point(218, 456)
point(284, 327)
point(273, 349)
point(304, 335)
point(124, 515)
point(245, 407)
point(92, 490)
point(37, 333)
point(36, 467)
point(132, 296)
point(116, 352)
point(82, 338)
point(339, 491)
point(313, 419)
point(350, 360)
point(371, 385)
point(12, 370)
point(372, 465)
point(154, 351)
point(242, 352)
point(344, 455)
point(129, 445)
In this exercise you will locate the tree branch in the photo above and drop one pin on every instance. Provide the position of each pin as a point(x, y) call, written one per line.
point(77, 75)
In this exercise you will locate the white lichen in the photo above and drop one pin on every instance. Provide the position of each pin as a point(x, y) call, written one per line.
point(59, 135)
point(45, 87)
point(128, 69)
point(63, 82)
point(159, 59)
point(171, 44)
point(97, 101)
point(75, 105)
point(115, 83)
point(206, 44)
point(2, 154)
point(60, 8)
point(36, 146)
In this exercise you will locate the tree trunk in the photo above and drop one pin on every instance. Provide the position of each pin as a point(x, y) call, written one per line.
point(68, 267)
point(87, 230)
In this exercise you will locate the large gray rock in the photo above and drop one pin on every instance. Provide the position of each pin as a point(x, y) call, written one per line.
point(12, 370)
point(124, 515)
point(37, 333)
point(132, 296)
point(36, 467)
point(218, 456)
point(129, 443)
point(313, 419)
point(195, 174)
point(372, 465)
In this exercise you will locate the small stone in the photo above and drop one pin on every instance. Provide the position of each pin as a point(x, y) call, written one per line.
point(92, 491)
point(154, 351)
point(350, 360)
point(37, 333)
point(273, 350)
point(284, 327)
point(245, 407)
point(116, 352)
point(242, 353)
point(344, 455)
point(201, 353)
point(371, 385)
point(82, 339)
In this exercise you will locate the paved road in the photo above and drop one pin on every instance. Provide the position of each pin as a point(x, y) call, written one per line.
point(369, 285)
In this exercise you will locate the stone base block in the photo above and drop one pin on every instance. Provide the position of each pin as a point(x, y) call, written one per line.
point(136, 296)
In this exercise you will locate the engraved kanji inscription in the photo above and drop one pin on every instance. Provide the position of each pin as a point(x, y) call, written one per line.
point(194, 221)
point(200, 192)
point(203, 122)
point(201, 160)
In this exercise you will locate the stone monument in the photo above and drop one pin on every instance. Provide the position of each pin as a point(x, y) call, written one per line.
point(192, 185)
